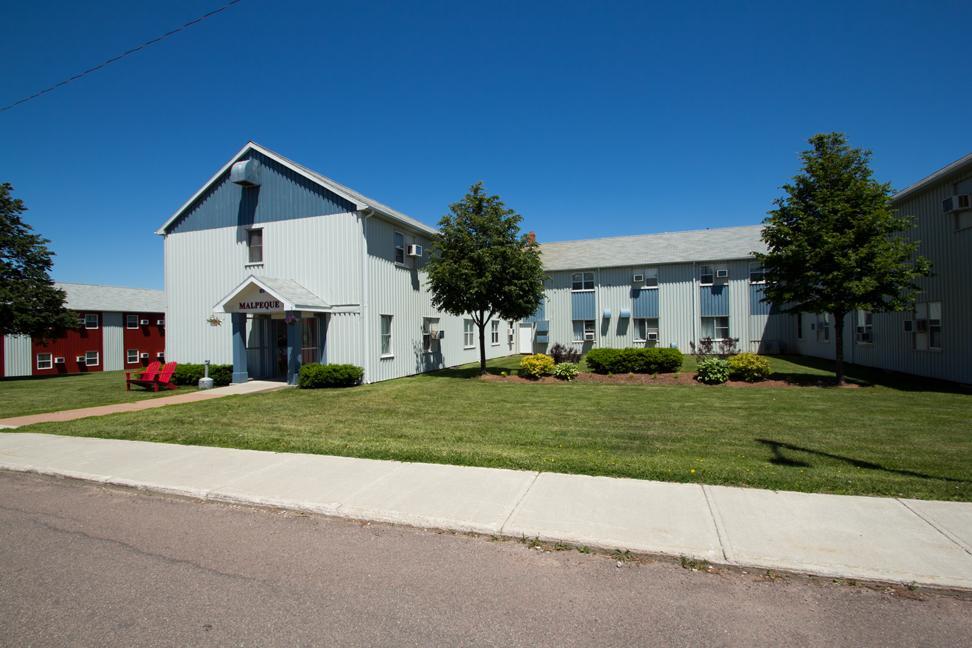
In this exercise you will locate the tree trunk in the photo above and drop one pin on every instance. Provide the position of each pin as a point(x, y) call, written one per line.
point(839, 347)
point(482, 344)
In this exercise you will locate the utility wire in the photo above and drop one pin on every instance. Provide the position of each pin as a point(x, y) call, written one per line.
point(122, 55)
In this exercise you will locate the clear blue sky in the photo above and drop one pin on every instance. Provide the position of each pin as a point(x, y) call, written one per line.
point(590, 119)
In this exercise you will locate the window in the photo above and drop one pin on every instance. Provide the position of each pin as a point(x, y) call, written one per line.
point(646, 330)
point(91, 320)
point(799, 321)
point(651, 278)
point(494, 332)
point(468, 336)
point(91, 359)
point(706, 275)
point(716, 328)
point(865, 328)
point(45, 361)
point(430, 334)
point(309, 341)
point(131, 321)
point(756, 274)
point(131, 356)
point(582, 281)
point(386, 335)
point(823, 327)
point(583, 330)
point(927, 329)
point(399, 247)
point(254, 243)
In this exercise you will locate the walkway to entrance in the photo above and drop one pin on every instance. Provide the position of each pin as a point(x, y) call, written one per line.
point(252, 387)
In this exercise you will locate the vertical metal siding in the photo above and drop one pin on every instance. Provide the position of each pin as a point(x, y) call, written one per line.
point(645, 302)
point(583, 306)
point(714, 301)
point(112, 351)
point(756, 304)
point(17, 356)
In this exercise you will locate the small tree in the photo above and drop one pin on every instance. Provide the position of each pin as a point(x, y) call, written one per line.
point(481, 264)
point(29, 302)
point(834, 241)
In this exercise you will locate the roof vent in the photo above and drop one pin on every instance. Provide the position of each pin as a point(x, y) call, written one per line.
point(246, 173)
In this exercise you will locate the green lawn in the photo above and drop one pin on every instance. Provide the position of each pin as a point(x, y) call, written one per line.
point(909, 439)
point(22, 396)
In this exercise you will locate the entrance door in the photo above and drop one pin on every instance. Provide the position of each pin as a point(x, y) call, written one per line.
point(278, 347)
point(525, 338)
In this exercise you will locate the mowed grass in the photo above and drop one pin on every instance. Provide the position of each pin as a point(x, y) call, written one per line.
point(22, 396)
point(891, 438)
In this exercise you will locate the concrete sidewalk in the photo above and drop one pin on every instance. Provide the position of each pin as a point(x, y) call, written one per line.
point(908, 541)
point(252, 387)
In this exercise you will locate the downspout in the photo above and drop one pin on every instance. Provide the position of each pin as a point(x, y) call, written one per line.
point(365, 312)
point(695, 298)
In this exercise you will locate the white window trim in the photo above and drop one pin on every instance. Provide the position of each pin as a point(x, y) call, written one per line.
point(263, 257)
point(395, 249)
point(582, 281)
point(715, 328)
point(97, 357)
point(753, 264)
point(858, 324)
point(584, 330)
point(650, 272)
point(472, 333)
point(494, 333)
point(97, 320)
point(391, 337)
point(128, 356)
point(128, 319)
point(711, 273)
point(50, 361)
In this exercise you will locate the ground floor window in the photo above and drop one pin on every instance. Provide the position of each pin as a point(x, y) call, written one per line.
point(716, 328)
point(45, 361)
point(799, 323)
point(430, 334)
point(309, 341)
point(468, 336)
point(646, 329)
point(92, 359)
point(823, 327)
point(386, 335)
point(865, 327)
point(927, 330)
point(131, 356)
point(583, 330)
point(494, 332)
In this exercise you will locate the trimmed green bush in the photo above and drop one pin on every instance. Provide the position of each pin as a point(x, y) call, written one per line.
point(713, 371)
point(536, 365)
point(565, 371)
point(641, 360)
point(317, 376)
point(189, 374)
point(749, 367)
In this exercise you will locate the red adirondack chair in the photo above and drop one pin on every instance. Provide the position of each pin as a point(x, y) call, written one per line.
point(164, 379)
point(142, 377)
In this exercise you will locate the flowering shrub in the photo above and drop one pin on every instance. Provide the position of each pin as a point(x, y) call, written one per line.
point(536, 365)
point(565, 371)
point(749, 367)
point(713, 371)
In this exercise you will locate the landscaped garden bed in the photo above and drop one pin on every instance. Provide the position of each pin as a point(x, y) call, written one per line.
point(684, 379)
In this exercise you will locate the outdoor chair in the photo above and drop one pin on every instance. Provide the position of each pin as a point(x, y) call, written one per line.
point(143, 376)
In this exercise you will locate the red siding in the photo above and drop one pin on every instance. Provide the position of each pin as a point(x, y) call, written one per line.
point(73, 344)
point(146, 338)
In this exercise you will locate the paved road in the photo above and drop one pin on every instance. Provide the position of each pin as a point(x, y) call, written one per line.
point(82, 564)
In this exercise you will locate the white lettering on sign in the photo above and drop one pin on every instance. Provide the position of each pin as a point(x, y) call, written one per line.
point(260, 305)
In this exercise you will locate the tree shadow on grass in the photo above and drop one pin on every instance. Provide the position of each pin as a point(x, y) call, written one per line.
point(780, 459)
point(862, 376)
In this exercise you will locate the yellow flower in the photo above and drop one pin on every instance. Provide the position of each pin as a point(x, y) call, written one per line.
point(693, 471)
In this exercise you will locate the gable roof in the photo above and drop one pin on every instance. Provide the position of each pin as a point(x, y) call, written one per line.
point(90, 297)
point(717, 244)
point(291, 294)
point(957, 166)
point(360, 201)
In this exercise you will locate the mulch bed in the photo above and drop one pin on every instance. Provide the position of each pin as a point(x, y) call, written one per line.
point(686, 379)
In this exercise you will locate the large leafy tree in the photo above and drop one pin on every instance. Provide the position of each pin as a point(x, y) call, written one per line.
point(835, 241)
point(30, 304)
point(482, 265)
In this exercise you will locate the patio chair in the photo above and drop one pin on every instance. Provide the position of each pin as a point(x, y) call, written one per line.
point(143, 376)
point(164, 379)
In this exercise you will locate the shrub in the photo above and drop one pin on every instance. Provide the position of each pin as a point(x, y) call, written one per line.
point(650, 360)
point(189, 374)
point(564, 353)
point(707, 348)
point(315, 376)
point(749, 367)
point(536, 365)
point(713, 371)
point(565, 371)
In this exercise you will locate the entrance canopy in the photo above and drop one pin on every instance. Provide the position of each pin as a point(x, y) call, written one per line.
point(263, 295)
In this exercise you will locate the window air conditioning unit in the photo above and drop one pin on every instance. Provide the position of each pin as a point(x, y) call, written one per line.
point(160, 354)
point(143, 322)
point(589, 335)
point(956, 203)
point(80, 359)
point(415, 250)
point(160, 322)
point(59, 360)
point(652, 336)
point(722, 273)
point(638, 278)
point(145, 355)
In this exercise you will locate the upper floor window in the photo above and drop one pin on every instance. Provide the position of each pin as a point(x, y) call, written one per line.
point(131, 321)
point(706, 275)
point(651, 277)
point(254, 243)
point(865, 327)
point(582, 281)
point(91, 320)
point(399, 247)
point(756, 274)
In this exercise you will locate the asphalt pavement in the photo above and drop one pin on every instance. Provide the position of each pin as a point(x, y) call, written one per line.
point(83, 564)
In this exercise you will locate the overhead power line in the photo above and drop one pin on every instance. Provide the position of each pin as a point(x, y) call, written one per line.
point(115, 59)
